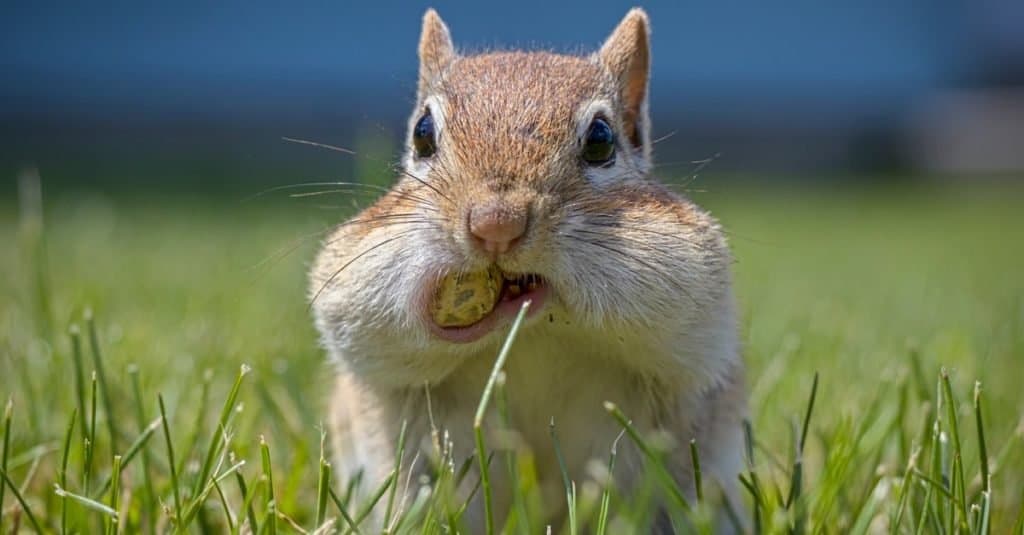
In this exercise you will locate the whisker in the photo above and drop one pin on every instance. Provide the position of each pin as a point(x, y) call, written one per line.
point(283, 252)
point(664, 137)
point(636, 259)
point(582, 201)
point(375, 222)
point(422, 202)
point(331, 228)
point(395, 166)
point(426, 224)
point(317, 193)
point(701, 164)
point(701, 246)
point(617, 225)
point(368, 250)
point(320, 145)
point(424, 182)
point(261, 193)
point(354, 153)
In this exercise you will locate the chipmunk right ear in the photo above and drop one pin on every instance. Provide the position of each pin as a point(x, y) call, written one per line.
point(436, 49)
point(627, 56)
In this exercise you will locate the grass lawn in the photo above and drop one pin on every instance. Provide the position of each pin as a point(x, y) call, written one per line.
point(875, 291)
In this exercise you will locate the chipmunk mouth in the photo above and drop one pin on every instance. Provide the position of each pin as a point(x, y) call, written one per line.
point(466, 307)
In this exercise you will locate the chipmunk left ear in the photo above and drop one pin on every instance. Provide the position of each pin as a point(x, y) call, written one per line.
point(436, 49)
point(626, 54)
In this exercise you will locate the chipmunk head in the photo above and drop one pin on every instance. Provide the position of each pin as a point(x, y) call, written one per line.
point(524, 177)
point(504, 142)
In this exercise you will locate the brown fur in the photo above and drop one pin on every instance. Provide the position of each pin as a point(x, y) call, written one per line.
point(641, 310)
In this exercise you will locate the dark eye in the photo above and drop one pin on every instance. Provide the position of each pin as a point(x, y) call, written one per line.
point(599, 144)
point(423, 138)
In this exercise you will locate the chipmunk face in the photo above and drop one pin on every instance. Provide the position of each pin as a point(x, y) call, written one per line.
point(512, 148)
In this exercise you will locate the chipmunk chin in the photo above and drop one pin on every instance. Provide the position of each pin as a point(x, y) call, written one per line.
point(516, 289)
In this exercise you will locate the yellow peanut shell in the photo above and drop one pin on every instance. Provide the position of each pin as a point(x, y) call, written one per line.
point(462, 299)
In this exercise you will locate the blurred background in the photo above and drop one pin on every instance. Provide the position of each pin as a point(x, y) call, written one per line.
point(182, 95)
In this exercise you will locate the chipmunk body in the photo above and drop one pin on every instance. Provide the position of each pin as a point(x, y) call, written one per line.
point(538, 164)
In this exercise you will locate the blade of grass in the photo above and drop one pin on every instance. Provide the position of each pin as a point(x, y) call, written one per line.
point(352, 527)
point(940, 455)
point(323, 485)
point(606, 493)
point(472, 492)
point(197, 430)
point(115, 488)
point(90, 443)
point(76, 358)
point(250, 500)
point(954, 425)
point(754, 492)
point(947, 493)
point(927, 503)
point(464, 469)
point(481, 410)
point(350, 488)
point(149, 497)
point(8, 412)
point(196, 506)
point(752, 485)
point(216, 441)
point(270, 520)
point(986, 482)
point(368, 507)
point(986, 512)
point(247, 509)
point(399, 454)
point(698, 484)
point(170, 461)
point(667, 480)
point(64, 469)
point(224, 505)
point(796, 481)
point(85, 501)
point(906, 488)
point(21, 501)
point(97, 358)
point(570, 488)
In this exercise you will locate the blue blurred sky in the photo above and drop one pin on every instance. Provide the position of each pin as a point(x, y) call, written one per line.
point(168, 55)
point(736, 73)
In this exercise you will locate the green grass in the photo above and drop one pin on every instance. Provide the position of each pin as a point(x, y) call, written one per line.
point(163, 370)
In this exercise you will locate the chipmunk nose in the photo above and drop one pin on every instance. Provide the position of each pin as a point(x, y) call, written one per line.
point(497, 227)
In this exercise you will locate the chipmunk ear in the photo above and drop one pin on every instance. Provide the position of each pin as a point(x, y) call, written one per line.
point(436, 49)
point(626, 54)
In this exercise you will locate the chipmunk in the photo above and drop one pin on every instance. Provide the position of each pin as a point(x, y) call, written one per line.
point(536, 166)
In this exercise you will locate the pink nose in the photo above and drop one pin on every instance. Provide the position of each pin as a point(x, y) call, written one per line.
point(496, 227)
